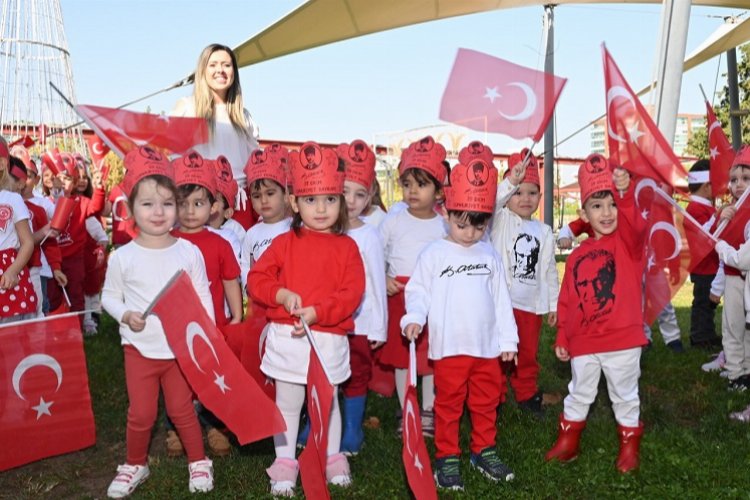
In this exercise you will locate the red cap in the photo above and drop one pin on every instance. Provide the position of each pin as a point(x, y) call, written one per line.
point(53, 161)
point(473, 187)
point(594, 175)
point(315, 170)
point(532, 166)
point(225, 183)
point(193, 169)
point(143, 162)
point(359, 161)
point(22, 153)
point(476, 150)
point(270, 163)
point(742, 157)
point(427, 155)
point(70, 167)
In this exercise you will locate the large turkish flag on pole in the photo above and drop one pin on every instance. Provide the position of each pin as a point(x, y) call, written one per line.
point(45, 406)
point(721, 153)
point(635, 142)
point(210, 367)
point(489, 94)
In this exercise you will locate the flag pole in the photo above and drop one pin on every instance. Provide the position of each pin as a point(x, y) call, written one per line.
point(314, 347)
point(700, 86)
point(683, 212)
point(413, 363)
point(723, 224)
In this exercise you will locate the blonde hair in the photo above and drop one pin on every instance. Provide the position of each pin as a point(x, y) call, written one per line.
point(204, 99)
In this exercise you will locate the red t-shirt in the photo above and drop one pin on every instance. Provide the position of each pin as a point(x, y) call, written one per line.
point(702, 213)
point(221, 264)
point(73, 238)
point(324, 269)
point(599, 309)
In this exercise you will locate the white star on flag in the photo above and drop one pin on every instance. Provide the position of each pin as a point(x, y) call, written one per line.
point(42, 408)
point(219, 381)
point(491, 94)
point(418, 464)
point(634, 133)
point(645, 213)
point(714, 152)
point(651, 262)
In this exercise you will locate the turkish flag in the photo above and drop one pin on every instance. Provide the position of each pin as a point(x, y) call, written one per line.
point(53, 161)
point(721, 152)
point(414, 453)
point(45, 406)
point(635, 143)
point(124, 130)
point(737, 230)
point(313, 459)
point(209, 366)
point(97, 149)
point(493, 95)
point(25, 141)
point(675, 243)
point(253, 347)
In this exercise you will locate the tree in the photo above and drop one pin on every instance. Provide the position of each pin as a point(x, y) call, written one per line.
point(698, 143)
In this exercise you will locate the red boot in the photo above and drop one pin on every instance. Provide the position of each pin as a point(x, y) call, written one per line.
point(568, 438)
point(630, 443)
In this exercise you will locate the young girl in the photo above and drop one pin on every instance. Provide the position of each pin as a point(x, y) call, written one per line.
point(374, 211)
point(315, 273)
point(405, 234)
point(136, 273)
point(371, 316)
point(527, 248)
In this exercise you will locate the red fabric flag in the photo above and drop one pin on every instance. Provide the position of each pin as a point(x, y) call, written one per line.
point(123, 130)
point(312, 460)
point(45, 406)
point(635, 143)
point(721, 152)
point(209, 366)
point(676, 242)
point(253, 347)
point(738, 227)
point(493, 95)
point(97, 149)
point(414, 452)
point(25, 141)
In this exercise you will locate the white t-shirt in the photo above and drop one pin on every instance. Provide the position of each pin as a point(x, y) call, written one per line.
point(12, 211)
point(526, 266)
point(257, 240)
point(375, 218)
point(371, 317)
point(461, 293)
point(236, 228)
point(136, 274)
point(226, 141)
point(404, 236)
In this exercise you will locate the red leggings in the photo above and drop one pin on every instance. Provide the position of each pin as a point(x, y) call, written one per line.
point(360, 359)
point(143, 377)
point(524, 376)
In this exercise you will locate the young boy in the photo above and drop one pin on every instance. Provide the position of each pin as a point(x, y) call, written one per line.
point(221, 220)
point(599, 329)
point(459, 288)
point(701, 207)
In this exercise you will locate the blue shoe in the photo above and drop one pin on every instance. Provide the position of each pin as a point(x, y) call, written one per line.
point(303, 433)
point(353, 435)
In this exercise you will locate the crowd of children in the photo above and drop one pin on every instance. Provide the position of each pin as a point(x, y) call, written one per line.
point(461, 268)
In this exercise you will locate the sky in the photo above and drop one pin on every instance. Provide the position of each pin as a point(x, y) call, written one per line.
point(378, 86)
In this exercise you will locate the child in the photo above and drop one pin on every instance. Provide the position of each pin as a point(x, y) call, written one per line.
point(405, 234)
point(599, 329)
point(527, 248)
point(374, 212)
point(459, 288)
point(136, 274)
point(701, 207)
point(315, 273)
point(370, 318)
point(221, 220)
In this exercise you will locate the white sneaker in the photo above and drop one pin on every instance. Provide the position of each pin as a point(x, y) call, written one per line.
point(724, 374)
point(127, 480)
point(715, 364)
point(201, 476)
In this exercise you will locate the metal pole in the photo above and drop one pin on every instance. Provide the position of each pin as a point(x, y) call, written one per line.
point(549, 134)
point(734, 99)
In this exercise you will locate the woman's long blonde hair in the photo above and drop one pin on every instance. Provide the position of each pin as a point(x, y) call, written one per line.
point(204, 99)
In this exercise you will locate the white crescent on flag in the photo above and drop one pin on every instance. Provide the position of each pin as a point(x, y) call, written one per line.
point(672, 231)
point(410, 430)
point(612, 93)
point(194, 330)
point(96, 147)
point(713, 126)
point(31, 361)
point(316, 408)
point(530, 106)
point(642, 184)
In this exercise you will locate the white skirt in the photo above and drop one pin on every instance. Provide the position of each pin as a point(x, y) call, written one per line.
point(287, 357)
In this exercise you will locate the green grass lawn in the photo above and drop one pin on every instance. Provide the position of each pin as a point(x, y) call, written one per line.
point(690, 449)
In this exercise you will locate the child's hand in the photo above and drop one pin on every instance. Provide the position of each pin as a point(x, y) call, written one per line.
point(565, 243)
point(288, 299)
point(96, 179)
point(508, 356)
point(727, 213)
point(551, 318)
point(60, 277)
point(9, 279)
point(714, 298)
point(134, 320)
point(393, 286)
point(412, 331)
point(99, 253)
point(621, 179)
point(309, 315)
point(562, 353)
point(517, 173)
point(376, 344)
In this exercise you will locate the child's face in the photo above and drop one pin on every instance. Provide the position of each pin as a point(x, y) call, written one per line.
point(68, 183)
point(461, 231)
point(739, 180)
point(154, 209)
point(525, 201)
point(222, 213)
point(420, 196)
point(48, 179)
point(31, 182)
point(269, 201)
point(357, 198)
point(194, 211)
point(601, 213)
point(17, 185)
point(83, 181)
point(320, 212)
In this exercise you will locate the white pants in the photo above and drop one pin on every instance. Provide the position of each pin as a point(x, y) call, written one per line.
point(622, 369)
point(667, 319)
point(428, 388)
point(36, 281)
point(289, 399)
point(734, 339)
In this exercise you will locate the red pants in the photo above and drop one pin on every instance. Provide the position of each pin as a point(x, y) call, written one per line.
point(470, 380)
point(75, 270)
point(395, 352)
point(524, 375)
point(143, 376)
point(360, 360)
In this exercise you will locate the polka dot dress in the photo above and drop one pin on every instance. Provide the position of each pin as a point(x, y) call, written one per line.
point(21, 299)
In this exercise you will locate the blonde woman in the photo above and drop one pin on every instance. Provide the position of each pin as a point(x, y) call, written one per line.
point(217, 97)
